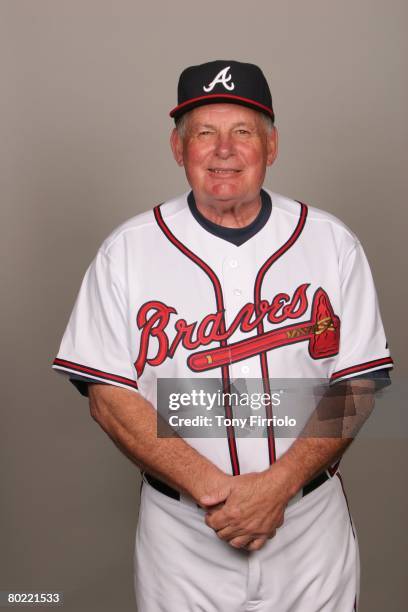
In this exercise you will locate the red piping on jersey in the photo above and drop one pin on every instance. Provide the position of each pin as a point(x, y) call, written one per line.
point(220, 308)
point(77, 367)
point(362, 366)
point(257, 298)
point(227, 96)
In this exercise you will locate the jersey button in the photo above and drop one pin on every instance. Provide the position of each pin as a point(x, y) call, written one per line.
point(237, 292)
point(245, 369)
point(233, 263)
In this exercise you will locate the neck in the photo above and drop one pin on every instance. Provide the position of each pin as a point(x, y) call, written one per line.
point(230, 214)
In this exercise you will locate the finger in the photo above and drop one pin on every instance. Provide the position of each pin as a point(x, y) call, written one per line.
point(212, 509)
point(256, 544)
point(216, 523)
point(241, 541)
point(217, 520)
point(229, 532)
point(215, 498)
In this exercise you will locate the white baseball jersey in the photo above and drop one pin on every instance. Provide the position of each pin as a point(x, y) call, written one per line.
point(166, 297)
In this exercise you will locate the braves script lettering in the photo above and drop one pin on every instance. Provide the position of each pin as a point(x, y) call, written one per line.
point(153, 319)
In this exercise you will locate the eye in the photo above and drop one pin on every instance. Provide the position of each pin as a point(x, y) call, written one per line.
point(204, 132)
point(243, 131)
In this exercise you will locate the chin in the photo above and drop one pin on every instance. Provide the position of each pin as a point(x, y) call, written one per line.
point(226, 191)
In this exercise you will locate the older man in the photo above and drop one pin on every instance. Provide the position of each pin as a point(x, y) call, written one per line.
point(229, 281)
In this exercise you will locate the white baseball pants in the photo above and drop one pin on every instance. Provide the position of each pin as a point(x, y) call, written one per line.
point(311, 565)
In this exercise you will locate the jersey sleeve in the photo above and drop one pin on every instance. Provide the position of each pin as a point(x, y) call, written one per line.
point(95, 346)
point(363, 345)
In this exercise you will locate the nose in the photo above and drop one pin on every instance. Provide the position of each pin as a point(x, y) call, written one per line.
point(224, 147)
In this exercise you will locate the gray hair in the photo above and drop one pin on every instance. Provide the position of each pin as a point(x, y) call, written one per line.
point(181, 123)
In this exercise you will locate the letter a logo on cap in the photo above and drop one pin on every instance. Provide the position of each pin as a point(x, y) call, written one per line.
point(221, 78)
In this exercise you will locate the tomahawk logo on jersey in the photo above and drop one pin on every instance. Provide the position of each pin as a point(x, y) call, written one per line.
point(322, 331)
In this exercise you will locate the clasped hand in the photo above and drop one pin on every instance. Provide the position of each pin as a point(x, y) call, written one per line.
point(248, 509)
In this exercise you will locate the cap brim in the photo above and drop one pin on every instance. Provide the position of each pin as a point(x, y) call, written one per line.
point(219, 98)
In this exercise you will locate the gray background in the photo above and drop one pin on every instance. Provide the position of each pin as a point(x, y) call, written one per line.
point(86, 87)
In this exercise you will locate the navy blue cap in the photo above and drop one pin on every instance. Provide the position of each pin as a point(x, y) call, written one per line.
point(224, 81)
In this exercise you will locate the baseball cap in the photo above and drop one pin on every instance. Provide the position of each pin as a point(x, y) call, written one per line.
point(225, 81)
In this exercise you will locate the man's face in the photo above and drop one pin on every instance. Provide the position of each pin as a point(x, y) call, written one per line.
point(225, 151)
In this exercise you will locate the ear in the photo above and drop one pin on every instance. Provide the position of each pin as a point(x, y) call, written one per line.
point(272, 145)
point(177, 147)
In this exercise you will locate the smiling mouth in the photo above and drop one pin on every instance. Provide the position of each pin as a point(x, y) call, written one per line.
point(223, 171)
